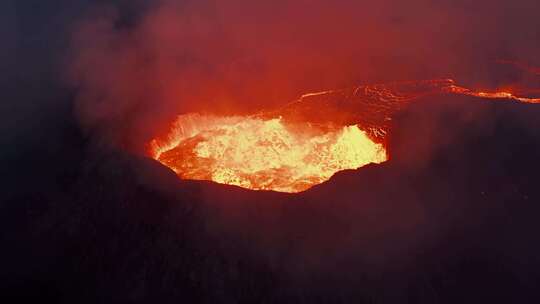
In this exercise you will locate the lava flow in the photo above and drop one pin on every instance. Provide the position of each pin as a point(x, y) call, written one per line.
point(300, 145)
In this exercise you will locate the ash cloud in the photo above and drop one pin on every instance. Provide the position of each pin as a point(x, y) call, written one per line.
point(136, 71)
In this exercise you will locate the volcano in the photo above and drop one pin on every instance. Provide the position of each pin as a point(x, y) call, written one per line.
point(451, 214)
point(283, 151)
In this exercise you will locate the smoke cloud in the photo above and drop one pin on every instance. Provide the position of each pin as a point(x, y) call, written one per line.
point(136, 67)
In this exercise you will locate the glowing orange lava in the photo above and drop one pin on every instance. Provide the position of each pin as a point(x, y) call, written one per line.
point(302, 144)
point(494, 95)
point(261, 154)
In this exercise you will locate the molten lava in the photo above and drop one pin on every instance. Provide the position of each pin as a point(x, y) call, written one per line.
point(302, 144)
point(261, 154)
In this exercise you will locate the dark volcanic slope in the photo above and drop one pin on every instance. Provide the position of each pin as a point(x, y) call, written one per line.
point(451, 218)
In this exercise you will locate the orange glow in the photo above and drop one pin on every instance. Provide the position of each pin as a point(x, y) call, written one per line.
point(493, 95)
point(261, 154)
point(319, 135)
point(505, 95)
